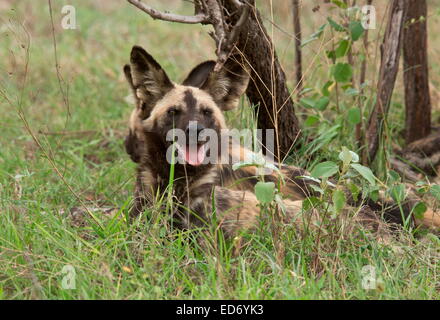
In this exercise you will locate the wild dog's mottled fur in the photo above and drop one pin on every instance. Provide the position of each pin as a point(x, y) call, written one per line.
point(197, 188)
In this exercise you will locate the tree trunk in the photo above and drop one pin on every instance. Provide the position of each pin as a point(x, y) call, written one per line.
point(267, 88)
point(391, 48)
point(359, 135)
point(298, 53)
point(417, 97)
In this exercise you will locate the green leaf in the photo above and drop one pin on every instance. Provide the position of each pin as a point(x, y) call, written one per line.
point(309, 178)
point(393, 177)
point(420, 183)
point(365, 172)
point(374, 195)
point(397, 192)
point(317, 189)
point(331, 55)
point(243, 164)
point(314, 36)
point(347, 156)
point(356, 30)
point(326, 87)
point(419, 210)
point(355, 191)
point(354, 116)
point(340, 4)
point(342, 72)
point(342, 49)
point(307, 103)
point(339, 200)
point(311, 120)
point(279, 201)
point(322, 103)
point(335, 25)
point(352, 92)
point(325, 170)
point(265, 192)
point(435, 191)
point(310, 203)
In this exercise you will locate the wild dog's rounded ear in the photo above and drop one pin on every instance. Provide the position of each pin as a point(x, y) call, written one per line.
point(199, 74)
point(149, 80)
point(228, 84)
point(127, 73)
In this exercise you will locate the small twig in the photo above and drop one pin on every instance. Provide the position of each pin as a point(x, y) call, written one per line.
point(156, 14)
point(207, 12)
point(216, 20)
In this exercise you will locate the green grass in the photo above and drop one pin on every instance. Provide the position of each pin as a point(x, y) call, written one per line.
point(149, 259)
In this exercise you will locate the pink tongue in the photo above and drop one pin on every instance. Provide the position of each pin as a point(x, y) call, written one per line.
point(194, 155)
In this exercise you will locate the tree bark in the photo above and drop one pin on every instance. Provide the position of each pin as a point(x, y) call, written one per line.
point(359, 126)
point(389, 68)
point(298, 52)
point(267, 88)
point(417, 97)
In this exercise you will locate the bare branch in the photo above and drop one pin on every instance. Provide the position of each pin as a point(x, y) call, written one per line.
point(237, 3)
point(233, 35)
point(216, 19)
point(156, 14)
point(207, 12)
point(226, 48)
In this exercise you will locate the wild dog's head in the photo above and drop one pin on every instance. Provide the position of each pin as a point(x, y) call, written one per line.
point(192, 108)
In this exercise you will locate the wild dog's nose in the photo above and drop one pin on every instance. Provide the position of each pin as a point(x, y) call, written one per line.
point(193, 130)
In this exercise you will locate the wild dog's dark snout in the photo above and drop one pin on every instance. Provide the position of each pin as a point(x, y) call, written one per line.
point(193, 131)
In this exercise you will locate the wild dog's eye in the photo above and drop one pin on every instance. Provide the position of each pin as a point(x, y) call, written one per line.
point(207, 112)
point(173, 111)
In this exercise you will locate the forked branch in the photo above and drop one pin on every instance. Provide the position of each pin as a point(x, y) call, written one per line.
point(207, 12)
point(238, 28)
point(166, 16)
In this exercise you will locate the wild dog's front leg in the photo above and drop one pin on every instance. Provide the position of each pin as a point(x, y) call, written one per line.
point(236, 210)
point(289, 179)
point(139, 203)
point(240, 210)
point(146, 184)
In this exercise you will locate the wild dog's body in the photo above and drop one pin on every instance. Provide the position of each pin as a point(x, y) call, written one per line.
point(196, 189)
point(162, 106)
point(202, 98)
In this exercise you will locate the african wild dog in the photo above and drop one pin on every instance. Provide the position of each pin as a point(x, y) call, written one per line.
point(195, 105)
